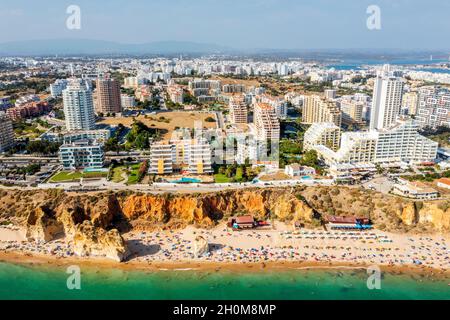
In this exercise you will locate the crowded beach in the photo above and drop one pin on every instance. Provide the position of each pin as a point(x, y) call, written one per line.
point(278, 242)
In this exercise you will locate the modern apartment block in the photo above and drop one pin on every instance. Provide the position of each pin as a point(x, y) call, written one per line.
point(330, 94)
point(266, 122)
point(176, 93)
point(127, 102)
point(318, 109)
point(107, 96)
point(433, 108)
point(78, 106)
point(201, 87)
point(28, 110)
point(325, 133)
point(82, 154)
point(402, 142)
point(399, 143)
point(101, 135)
point(57, 87)
point(410, 103)
point(387, 101)
point(277, 103)
point(238, 109)
point(6, 133)
point(162, 158)
point(200, 157)
point(233, 88)
point(352, 111)
point(193, 156)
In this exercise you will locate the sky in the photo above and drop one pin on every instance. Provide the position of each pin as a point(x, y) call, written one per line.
point(240, 24)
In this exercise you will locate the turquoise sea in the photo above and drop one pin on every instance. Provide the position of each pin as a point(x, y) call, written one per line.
point(37, 282)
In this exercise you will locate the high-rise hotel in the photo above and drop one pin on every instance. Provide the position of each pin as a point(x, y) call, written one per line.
point(78, 106)
point(387, 101)
point(107, 96)
point(6, 133)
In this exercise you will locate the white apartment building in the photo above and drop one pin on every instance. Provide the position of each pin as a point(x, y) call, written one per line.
point(278, 104)
point(402, 142)
point(200, 157)
point(162, 158)
point(6, 133)
point(193, 155)
point(100, 135)
point(330, 94)
point(176, 93)
point(433, 109)
point(266, 122)
point(325, 133)
point(399, 143)
point(318, 109)
point(57, 87)
point(78, 106)
point(82, 154)
point(352, 111)
point(387, 101)
point(357, 147)
point(238, 109)
point(128, 102)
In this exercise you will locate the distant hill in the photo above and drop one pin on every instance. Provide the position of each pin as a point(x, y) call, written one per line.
point(99, 47)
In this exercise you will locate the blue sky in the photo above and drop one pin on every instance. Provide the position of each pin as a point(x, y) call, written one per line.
point(280, 24)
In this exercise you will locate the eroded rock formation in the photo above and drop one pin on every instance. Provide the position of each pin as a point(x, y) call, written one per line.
point(96, 242)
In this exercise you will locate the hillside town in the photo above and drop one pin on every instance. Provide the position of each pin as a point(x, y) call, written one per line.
point(201, 123)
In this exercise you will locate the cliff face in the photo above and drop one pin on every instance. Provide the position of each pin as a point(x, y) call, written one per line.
point(47, 212)
point(89, 240)
point(205, 209)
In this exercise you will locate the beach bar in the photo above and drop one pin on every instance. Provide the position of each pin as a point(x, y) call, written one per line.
point(243, 222)
point(348, 223)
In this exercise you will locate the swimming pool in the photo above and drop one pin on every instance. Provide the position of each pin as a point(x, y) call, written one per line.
point(306, 178)
point(186, 180)
point(87, 170)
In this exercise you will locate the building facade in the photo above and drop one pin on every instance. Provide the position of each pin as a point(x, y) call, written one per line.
point(6, 133)
point(238, 109)
point(325, 133)
point(78, 107)
point(107, 96)
point(318, 109)
point(81, 155)
point(433, 109)
point(387, 101)
point(266, 122)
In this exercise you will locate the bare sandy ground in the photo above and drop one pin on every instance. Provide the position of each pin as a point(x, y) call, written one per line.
point(180, 119)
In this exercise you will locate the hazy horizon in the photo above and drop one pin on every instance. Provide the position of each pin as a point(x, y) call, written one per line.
point(242, 25)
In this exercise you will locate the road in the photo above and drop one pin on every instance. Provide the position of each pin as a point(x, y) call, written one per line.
point(103, 184)
point(220, 120)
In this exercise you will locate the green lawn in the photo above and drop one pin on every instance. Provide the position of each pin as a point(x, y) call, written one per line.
point(221, 178)
point(117, 174)
point(65, 176)
point(133, 175)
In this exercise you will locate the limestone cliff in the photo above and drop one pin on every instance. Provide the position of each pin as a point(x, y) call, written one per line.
point(93, 241)
point(200, 246)
point(42, 226)
point(122, 210)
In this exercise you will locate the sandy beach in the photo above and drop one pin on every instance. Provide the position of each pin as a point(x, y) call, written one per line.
point(277, 247)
